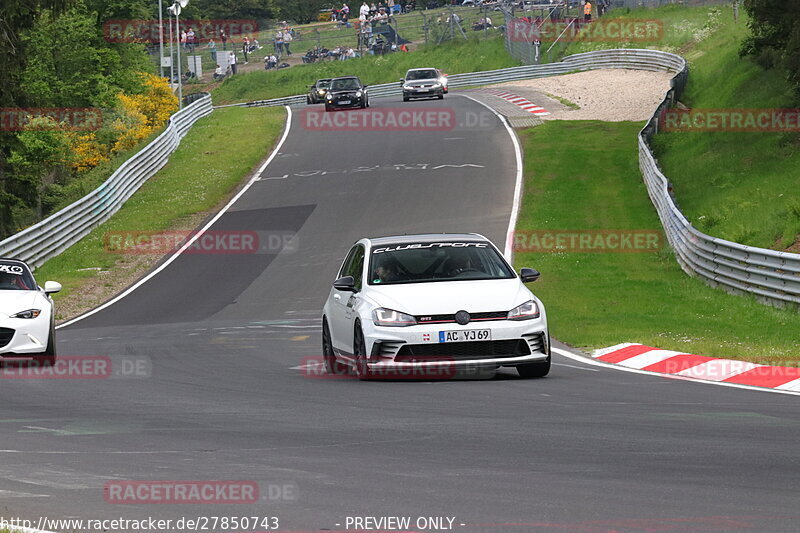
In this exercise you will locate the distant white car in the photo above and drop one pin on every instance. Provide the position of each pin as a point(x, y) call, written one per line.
point(27, 318)
point(443, 300)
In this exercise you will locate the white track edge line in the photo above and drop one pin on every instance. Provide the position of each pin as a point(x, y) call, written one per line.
point(197, 235)
point(512, 223)
point(594, 362)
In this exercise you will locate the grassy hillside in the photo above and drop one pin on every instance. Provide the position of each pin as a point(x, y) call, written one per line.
point(738, 186)
point(601, 298)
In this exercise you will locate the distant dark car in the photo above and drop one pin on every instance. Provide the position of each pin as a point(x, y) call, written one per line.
point(346, 92)
point(316, 92)
point(424, 83)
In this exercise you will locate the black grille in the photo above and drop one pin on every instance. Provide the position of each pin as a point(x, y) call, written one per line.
point(6, 335)
point(386, 348)
point(462, 351)
point(536, 342)
point(443, 319)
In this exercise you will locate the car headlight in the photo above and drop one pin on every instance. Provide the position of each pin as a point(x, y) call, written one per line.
point(392, 318)
point(30, 313)
point(330, 96)
point(407, 87)
point(437, 85)
point(527, 311)
point(321, 91)
point(359, 94)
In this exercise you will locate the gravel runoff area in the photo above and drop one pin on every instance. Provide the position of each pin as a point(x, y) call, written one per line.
point(611, 95)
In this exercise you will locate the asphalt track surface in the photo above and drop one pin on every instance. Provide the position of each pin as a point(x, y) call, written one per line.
point(585, 449)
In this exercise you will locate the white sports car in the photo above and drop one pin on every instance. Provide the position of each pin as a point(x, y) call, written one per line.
point(27, 323)
point(432, 301)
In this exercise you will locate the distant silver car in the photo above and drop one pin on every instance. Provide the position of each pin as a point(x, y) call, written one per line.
point(424, 83)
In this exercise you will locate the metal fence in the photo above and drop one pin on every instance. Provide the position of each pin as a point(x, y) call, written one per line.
point(56, 233)
point(541, 45)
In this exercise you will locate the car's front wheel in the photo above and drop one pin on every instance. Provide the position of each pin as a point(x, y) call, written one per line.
point(332, 365)
point(534, 370)
point(360, 351)
point(48, 357)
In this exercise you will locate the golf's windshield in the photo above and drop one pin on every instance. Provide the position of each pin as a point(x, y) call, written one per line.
point(421, 75)
point(345, 84)
point(436, 261)
point(15, 277)
point(323, 84)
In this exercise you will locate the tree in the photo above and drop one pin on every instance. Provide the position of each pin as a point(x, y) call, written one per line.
point(300, 11)
point(775, 35)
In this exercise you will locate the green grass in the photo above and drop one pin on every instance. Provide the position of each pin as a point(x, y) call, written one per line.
point(199, 175)
point(453, 58)
point(738, 186)
point(600, 299)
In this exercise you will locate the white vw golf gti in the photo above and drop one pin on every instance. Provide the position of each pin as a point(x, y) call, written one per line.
point(27, 322)
point(428, 301)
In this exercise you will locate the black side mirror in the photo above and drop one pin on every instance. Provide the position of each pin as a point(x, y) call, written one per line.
point(346, 283)
point(527, 275)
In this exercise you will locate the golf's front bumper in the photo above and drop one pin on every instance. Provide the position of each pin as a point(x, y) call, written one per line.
point(511, 343)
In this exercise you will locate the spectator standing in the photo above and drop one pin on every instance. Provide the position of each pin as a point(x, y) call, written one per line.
point(279, 43)
point(287, 41)
point(233, 61)
point(190, 40)
point(212, 47)
point(183, 39)
point(364, 11)
point(224, 37)
point(587, 11)
point(245, 47)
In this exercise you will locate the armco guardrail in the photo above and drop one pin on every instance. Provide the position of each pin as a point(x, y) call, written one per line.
point(620, 58)
point(772, 276)
point(61, 230)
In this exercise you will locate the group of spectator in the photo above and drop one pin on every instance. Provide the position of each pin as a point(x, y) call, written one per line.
point(282, 41)
point(188, 40)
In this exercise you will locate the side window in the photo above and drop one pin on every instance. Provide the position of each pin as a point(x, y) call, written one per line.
point(356, 266)
point(346, 264)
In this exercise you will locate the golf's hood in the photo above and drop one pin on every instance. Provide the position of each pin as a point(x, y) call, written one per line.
point(445, 297)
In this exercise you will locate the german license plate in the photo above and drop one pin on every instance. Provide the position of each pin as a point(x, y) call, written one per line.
point(465, 335)
point(344, 102)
